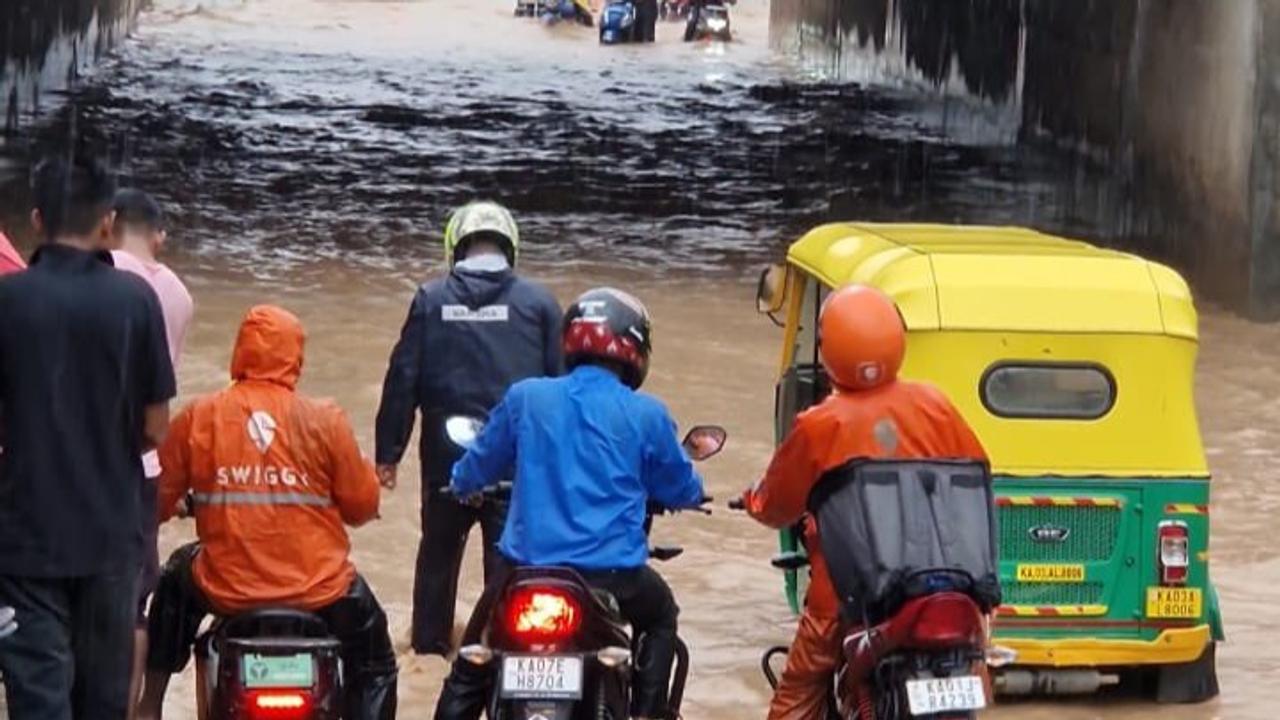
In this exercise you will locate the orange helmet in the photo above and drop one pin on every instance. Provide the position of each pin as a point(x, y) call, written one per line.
point(862, 338)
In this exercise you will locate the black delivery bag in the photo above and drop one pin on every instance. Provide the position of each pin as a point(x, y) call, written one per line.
point(894, 530)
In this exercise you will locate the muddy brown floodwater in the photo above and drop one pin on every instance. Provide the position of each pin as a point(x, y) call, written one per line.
point(309, 149)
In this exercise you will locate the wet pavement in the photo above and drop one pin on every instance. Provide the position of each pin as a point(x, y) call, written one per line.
point(309, 151)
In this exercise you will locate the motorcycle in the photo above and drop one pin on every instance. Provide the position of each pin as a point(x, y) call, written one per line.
point(618, 23)
point(917, 577)
point(268, 664)
point(710, 22)
point(561, 648)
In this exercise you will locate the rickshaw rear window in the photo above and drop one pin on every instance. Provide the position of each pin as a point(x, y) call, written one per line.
point(1048, 390)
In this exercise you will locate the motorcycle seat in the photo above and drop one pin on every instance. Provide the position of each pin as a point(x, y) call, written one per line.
point(608, 604)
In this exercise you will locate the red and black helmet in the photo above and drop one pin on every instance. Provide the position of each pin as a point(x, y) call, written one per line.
point(610, 325)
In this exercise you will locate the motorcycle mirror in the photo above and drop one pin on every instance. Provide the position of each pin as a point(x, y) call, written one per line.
point(463, 430)
point(704, 441)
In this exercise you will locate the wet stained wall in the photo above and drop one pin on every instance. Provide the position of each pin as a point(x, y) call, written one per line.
point(1174, 101)
point(45, 45)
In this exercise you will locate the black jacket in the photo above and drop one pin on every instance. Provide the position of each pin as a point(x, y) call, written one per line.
point(469, 336)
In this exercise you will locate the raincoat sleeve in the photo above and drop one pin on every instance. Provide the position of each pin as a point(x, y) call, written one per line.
point(355, 485)
point(780, 498)
point(552, 342)
point(175, 464)
point(400, 388)
point(669, 476)
point(492, 455)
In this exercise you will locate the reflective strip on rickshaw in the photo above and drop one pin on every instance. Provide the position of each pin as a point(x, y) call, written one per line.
point(1186, 509)
point(1051, 610)
point(1057, 501)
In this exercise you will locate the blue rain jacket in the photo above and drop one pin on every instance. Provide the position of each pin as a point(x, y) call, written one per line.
point(588, 453)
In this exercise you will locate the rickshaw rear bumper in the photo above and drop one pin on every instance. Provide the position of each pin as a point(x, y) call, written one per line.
point(1171, 646)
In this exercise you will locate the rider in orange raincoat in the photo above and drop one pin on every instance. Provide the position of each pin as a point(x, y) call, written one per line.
point(273, 478)
point(871, 415)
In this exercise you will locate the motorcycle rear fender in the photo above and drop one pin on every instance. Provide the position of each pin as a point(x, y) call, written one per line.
point(942, 621)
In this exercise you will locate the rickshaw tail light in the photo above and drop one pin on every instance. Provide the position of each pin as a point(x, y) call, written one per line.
point(1175, 556)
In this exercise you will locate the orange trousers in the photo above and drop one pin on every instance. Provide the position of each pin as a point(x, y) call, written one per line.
point(804, 690)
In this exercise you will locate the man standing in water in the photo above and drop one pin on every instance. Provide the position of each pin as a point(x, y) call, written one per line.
point(85, 384)
point(469, 336)
point(140, 235)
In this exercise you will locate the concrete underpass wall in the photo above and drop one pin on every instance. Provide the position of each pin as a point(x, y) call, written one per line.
point(1178, 99)
point(46, 44)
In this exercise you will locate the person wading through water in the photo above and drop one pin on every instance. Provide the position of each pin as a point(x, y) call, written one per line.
point(469, 336)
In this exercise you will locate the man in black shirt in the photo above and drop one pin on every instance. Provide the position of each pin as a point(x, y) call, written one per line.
point(85, 384)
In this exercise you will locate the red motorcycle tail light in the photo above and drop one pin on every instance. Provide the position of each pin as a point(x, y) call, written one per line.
point(278, 704)
point(947, 620)
point(1174, 552)
point(542, 616)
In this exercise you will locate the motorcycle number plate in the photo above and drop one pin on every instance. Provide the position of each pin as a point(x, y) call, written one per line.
point(939, 695)
point(276, 671)
point(542, 676)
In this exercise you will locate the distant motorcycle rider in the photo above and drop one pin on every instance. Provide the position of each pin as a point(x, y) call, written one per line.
point(468, 337)
point(870, 415)
point(588, 452)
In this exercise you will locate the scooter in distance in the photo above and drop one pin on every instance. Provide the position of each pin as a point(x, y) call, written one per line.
point(709, 22)
point(560, 648)
point(919, 605)
point(618, 23)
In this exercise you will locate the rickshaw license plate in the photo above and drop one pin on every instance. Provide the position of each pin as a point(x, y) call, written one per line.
point(1166, 602)
point(542, 676)
point(275, 671)
point(1050, 573)
point(938, 695)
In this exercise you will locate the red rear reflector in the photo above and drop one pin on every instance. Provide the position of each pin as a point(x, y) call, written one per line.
point(1174, 552)
point(278, 704)
point(542, 616)
point(947, 620)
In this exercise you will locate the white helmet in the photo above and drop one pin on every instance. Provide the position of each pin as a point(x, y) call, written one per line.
point(479, 217)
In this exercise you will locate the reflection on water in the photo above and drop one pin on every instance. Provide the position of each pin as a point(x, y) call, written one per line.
point(310, 149)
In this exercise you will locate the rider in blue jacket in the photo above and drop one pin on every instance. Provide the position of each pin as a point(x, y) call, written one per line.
point(589, 452)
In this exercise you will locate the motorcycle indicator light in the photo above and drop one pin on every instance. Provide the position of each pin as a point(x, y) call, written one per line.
point(1174, 552)
point(278, 704)
point(542, 616)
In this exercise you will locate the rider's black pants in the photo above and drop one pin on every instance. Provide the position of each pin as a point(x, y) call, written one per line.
point(446, 523)
point(646, 20)
point(356, 620)
point(646, 603)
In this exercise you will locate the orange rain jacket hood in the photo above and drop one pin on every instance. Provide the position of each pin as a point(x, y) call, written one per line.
point(274, 475)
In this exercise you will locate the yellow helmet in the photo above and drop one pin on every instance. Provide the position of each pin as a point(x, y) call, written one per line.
point(481, 217)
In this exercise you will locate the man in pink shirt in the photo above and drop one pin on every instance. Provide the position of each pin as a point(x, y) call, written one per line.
point(10, 260)
point(139, 231)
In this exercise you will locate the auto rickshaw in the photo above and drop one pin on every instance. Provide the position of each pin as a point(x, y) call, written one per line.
point(1074, 364)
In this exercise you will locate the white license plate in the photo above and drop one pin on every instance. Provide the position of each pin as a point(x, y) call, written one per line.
point(936, 695)
point(542, 676)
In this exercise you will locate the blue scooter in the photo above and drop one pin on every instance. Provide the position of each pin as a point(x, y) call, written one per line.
point(618, 23)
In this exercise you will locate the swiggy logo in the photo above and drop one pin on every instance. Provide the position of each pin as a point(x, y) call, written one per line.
point(262, 430)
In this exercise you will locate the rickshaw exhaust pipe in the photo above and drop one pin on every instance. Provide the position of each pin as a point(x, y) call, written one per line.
point(1053, 682)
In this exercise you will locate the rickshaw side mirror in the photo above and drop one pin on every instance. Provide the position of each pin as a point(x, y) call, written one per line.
point(771, 291)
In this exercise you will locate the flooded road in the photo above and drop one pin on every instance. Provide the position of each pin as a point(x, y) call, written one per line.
point(309, 151)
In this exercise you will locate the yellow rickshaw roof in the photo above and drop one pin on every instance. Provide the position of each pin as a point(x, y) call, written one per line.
point(957, 277)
